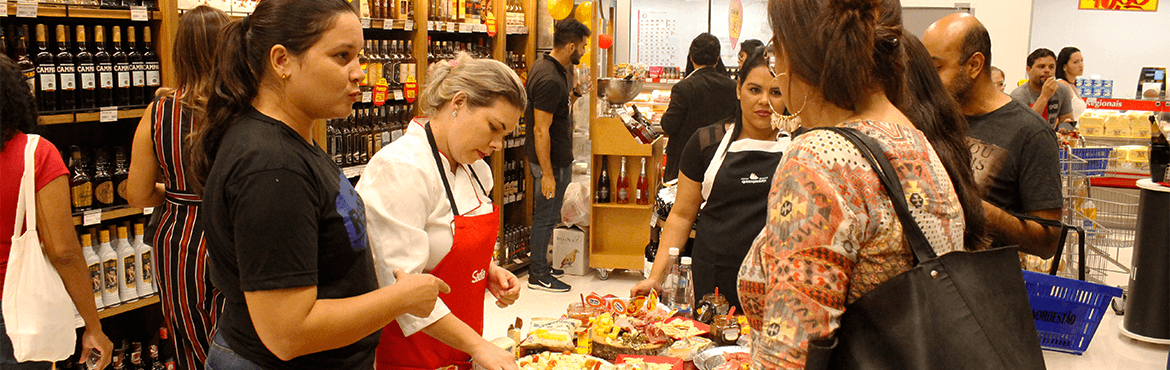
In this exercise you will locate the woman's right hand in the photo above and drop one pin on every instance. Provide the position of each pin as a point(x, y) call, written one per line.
point(491, 357)
point(425, 288)
point(644, 287)
point(95, 339)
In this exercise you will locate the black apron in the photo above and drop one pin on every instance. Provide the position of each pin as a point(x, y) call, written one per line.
point(735, 188)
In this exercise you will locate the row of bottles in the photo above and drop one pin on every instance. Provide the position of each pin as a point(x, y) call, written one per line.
point(514, 13)
point(388, 61)
point(154, 353)
point(354, 140)
point(442, 51)
point(514, 171)
point(107, 4)
point(458, 11)
point(390, 9)
point(122, 269)
point(605, 191)
point(100, 186)
point(519, 65)
point(513, 244)
point(76, 78)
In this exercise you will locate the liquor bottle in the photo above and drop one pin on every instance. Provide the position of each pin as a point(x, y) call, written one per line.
point(375, 63)
point(117, 361)
point(94, 264)
point(151, 66)
point(46, 73)
point(137, 69)
point(643, 194)
point(409, 66)
point(86, 73)
point(66, 72)
point(27, 68)
point(390, 63)
point(364, 62)
point(122, 71)
point(105, 69)
point(333, 140)
point(136, 356)
point(405, 9)
point(80, 184)
point(430, 52)
point(109, 259)
point(603, 186)
point(155, 363)
point(127, 267)
point(623, 185)
point(103, 182)
point(166, 350)
point(121, 173)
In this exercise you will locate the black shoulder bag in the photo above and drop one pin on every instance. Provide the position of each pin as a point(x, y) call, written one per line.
point(961, 310)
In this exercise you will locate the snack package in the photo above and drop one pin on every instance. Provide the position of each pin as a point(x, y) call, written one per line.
point(562, 361)
point(553, 334)
point(686, 348)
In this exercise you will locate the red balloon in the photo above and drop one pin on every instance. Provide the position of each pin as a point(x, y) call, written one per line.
point(604, 41)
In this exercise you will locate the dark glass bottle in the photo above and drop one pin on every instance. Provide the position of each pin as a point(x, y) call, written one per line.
point(80, 184)
point(46, 72)
point(27, 68)
point(137, 68)
point(151, 66)
point(122, 71)
point(66, 72)
point(103, 182)
point(86, 73)
point(603, 183)
point(105, 69)
point(121, 173)
point(3, 43)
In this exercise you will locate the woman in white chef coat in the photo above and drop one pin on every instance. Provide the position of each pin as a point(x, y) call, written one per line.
point(429, 210)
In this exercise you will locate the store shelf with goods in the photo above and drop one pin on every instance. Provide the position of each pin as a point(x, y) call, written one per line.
point(81, 11)
point(128, 306)
point(97, 216)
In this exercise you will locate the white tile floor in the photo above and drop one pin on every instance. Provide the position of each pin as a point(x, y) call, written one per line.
point(1109, 349)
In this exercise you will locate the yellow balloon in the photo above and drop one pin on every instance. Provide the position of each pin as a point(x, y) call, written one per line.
point(559, 9)
point(585, 12)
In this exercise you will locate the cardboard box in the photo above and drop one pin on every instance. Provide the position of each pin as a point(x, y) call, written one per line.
point(570, 250)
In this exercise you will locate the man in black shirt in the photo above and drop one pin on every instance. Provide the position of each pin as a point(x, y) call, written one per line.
point(550, 143)
point(706, 96)
point(1014, 151)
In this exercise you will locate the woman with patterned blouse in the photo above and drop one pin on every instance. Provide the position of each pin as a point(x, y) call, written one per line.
point(832, 234)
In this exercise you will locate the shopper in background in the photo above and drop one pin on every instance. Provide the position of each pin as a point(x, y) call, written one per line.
point(1070, 65)
point(998, 77)
point(286, 233)
point(1014, 151)
point(706, 96)
point(422, 184)
point(190, 304)
point(712, 178)
point(1042, 92)
point(54, 223)
point(831, 238)
point(748, 47)
point(550, 144)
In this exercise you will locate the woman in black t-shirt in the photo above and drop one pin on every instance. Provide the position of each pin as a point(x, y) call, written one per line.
point(729, 179)
point(285, 230)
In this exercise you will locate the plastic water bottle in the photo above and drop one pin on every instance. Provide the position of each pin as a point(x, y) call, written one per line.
point(684, 292)
point(671, 283)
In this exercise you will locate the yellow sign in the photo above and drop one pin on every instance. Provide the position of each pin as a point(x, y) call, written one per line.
point(1126, 5)
point(735, 21)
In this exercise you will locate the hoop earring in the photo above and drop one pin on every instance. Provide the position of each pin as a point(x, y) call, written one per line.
point(790, 122)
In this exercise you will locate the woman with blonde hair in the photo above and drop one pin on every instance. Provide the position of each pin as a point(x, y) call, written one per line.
point(429, 209)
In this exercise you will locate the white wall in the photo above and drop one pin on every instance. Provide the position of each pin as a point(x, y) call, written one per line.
point(1115, 44)
point(1008, 21)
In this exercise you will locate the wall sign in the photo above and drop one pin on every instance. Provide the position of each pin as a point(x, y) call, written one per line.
point(1125, 5)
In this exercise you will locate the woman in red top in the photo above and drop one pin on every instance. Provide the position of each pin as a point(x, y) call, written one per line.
point(54, 222)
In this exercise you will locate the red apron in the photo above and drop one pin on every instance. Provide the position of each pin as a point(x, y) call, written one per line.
point(465, 270)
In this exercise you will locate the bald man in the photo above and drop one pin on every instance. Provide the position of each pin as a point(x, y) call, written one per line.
point(1013, 150)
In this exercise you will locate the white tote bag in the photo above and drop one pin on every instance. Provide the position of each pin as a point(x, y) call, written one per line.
point(38, 313)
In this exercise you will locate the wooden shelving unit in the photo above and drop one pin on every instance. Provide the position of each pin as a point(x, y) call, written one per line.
point(110, 214)
point(128, 306)
point(85, 117)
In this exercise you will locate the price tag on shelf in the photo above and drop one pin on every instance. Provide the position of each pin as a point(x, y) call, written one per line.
point(367, 96)
point(90, 218)
point(366, 23)
point(108, 114)
point(388, 24)
point(26, 10)
point(465, 28)
point(430, 25)
point(451, 27)
point(138, 13)
point(398, 95)
point(409, 25)
point(148, 211)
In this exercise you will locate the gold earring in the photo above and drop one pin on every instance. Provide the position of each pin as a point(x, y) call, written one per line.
point(284, 76)
point(786, 122)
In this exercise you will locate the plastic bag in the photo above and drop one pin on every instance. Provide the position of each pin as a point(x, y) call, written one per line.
point(575, 210)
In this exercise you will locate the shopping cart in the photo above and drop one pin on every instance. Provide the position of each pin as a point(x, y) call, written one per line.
point(1108, 216)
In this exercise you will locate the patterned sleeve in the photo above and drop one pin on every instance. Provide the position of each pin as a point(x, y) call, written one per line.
point(802, 260)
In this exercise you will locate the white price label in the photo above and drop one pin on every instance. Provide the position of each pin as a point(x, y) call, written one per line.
point(465, 28)
point(409, 25)
point(365, 23)
point(148, 211)
point(26, 10)
point(388, 24)
point(367, 97)
point(138, 13)
point(109, 114)
point(90, 218)
point(398, 95)
point(451, 26)
point(430, 25)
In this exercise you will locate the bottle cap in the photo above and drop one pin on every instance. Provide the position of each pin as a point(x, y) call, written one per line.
point(685, 260)
point(104, 236)
point(138, 229)
point(122, 234)
point(86, 240)
point(673, 251)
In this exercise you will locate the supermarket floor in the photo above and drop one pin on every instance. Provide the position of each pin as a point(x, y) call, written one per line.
point(1109, 349)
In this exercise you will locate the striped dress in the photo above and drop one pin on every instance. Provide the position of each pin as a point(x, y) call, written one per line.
point(190, 302)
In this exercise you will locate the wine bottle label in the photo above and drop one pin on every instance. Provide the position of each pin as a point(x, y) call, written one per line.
point(88, 76)
point(30, 77)
point(639, 194)
point(111, 270)
point(106, 75)
point(122, 188)
point(95, 274)
point(129, 272)
point(82, 195)
point(104, 192)
point(623, 194)
point(123, 73)
point(138, 74)
point(68, 75)
point(147, 268)
point(48, 77)
point(153, 78)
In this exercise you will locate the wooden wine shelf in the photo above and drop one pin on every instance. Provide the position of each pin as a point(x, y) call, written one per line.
point(56, 119)
point(623, 206)
point(79, 11)
point(126, 307)
point(111, 214)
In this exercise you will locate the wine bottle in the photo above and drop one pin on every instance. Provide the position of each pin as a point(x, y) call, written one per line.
point(27, 68)
point(151, 66)
point(105, 69)
point(623, 185)
point(46, 73)
point(643, 192)
point(603, 186)
point(86, 73)
point(66, 72)
point(122, 72)
point(137, 68)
